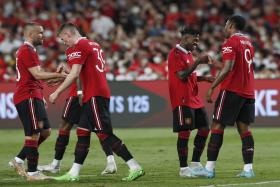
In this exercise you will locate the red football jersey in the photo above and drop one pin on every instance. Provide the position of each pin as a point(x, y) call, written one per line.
point(241, 78)
point(182, 92)
point(27, 86)
point(73, 90)
point(89, 54)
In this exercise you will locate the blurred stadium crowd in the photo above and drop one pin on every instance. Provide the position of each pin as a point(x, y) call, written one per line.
point(137, 35)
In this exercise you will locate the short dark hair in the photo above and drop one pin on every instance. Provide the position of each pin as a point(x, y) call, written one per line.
point(30, 24)
point(72, 27)
point(188, 30)
point(238, 21)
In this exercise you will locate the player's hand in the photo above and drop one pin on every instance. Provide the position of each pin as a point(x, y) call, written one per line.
point(64, 73)
point(209, 95)
point(204, 59)
point(210, 60)
point(60, 68)
point(63, 68)
point(53, 97)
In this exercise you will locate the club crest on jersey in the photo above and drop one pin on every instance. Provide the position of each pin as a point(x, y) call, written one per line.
point(74, 55)
point(227, 49)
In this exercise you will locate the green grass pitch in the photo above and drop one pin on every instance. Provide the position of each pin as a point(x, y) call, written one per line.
point(155, 149)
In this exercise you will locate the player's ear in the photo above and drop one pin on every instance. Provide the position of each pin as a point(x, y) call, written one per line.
point(30, 34)
point(231, 25)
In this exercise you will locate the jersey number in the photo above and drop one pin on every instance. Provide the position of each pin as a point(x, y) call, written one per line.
point(248, 58)
point(101, 66)
point(18, 73)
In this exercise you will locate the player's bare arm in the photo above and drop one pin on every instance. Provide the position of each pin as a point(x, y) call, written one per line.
point(71, 77)
point(63, 69)
point(203, 59)
point(54, 82)
point(222, 75)
point(38, 74)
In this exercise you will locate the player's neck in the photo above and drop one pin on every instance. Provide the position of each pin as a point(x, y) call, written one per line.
point(183, 47)
point(28, 42)
point(180, 47)
point(236, 33)
point(77, 39)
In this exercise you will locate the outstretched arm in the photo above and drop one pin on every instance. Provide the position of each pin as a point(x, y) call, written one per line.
point(62, 68)
point(222, 75)
point(71, 77)
point(38, 74)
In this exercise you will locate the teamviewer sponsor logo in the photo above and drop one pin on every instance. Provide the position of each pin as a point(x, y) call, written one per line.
point(227, 49)
point(74, 55)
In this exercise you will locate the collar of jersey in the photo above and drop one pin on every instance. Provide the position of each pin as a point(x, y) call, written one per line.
point(80, 39)
point(30, 44)
point(182, 49)
point(237, 34)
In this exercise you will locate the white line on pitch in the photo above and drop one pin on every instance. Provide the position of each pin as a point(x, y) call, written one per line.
point(88, 175)
point(11, 179)
point(244, 184)
point(18, 178)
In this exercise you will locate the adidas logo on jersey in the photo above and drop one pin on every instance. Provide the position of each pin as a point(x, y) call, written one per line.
point(74, 55)
point(226, 49)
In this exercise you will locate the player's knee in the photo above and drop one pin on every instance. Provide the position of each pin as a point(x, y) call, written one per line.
point(48, 132)
point(45, 133)
point(66, 126)
point(242, 127)
point(34, 136)
point(217, 126)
